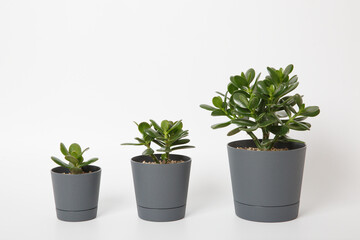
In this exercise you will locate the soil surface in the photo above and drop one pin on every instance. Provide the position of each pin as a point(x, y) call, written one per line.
point(77, 174)
point(256, 149)
point(162, 162)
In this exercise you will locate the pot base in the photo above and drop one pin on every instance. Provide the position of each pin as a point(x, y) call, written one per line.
point(267, 214)
point(76, 216)
point(161, 215)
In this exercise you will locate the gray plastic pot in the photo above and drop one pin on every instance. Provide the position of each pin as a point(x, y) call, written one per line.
point(266, 184)
point(76, 195)
point(161, 189)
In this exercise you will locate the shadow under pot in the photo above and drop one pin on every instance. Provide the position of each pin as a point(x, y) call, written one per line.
point(76, 195)
point(161, 189)
point(266, 184)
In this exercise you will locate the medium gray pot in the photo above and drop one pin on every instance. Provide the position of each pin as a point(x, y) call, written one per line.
point(161, 189)
point(266, 184)
point(76, 195)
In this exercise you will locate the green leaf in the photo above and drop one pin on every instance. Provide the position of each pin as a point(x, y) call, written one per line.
point(293, 80)
point(181, 141)
point(139, 140)
point(247, 95)
point(274, 76)
point(181, 147)
point(75, 150)
point(278, 130)
point(243, 122)
point(80, 159)
point(242, 111)
point(207, 107)
point(165, 125)
point(221, 94)
point(177, 126)
point(156, 126)
point(59, 162)
point(254, 102)
point(90, 161)
point(218, 112)
point(250, 75)
point(84, 150)
point(231, 88)
point(298, 100)
point(132, 144)
point(143, 126)
point(287, 139)
point(279, 90)
point(242, 80)
point(289, 89)
point(268, 120)
point(257, 78)
point(241, 100)
point(152, 133)
point(63, 149)
point(179, 135)
point(299, 119)
point(220, 125)
point(217, 101)
point(299, 126)
point(249, 129)
point(262, 87)
point(238, 81)
point(288, 70)
point(72, 159)
point(159, 143)
point(287, 110)
point(148, 151)
point(310, 111)
point(234, 131)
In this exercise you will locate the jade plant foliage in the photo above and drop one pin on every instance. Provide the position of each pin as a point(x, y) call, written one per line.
point(251, 104)
point(169, 136)
point(74, 156)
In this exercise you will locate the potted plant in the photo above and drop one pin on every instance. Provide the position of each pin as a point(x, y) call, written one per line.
point(76, 185)
point(161, 180)
point(266, 173)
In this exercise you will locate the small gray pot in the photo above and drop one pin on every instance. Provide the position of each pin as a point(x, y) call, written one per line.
point(161, 189)
point(76, 195)
point(266, 184)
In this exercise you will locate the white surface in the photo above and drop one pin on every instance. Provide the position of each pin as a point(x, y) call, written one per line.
point(82, 71)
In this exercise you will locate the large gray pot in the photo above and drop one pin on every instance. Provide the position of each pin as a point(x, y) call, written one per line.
point(266, 184)
point(161, 189)
point(76, 195)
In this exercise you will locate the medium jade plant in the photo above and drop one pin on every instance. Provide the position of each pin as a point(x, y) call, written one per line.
point(169, 136)
point(251, 105)
point(74, 157)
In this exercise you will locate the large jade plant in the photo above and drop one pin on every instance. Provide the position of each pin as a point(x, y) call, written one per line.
point(169, 136)
point(251, 105)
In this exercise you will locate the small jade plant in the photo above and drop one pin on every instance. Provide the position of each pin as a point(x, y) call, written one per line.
point(74, 157)
point(169, 136)
point(265, 105)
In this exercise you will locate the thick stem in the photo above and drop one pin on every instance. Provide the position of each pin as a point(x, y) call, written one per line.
point(154, 158)
point(265, 134)
point(255, 139)
point(76, 170)
point(167, 149)
point(276, 138)
point(152, 155)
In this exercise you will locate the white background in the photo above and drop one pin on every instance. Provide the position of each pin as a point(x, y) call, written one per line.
point(82, 71)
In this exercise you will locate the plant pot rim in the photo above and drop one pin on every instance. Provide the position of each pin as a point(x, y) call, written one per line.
point(76, 175)
point(299, 148)
point(185, 161)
